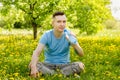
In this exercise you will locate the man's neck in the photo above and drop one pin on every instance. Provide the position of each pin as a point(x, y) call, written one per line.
point(57, 34)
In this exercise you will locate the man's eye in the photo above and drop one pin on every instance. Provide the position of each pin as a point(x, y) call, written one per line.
point(64, 21)
point(58, 21)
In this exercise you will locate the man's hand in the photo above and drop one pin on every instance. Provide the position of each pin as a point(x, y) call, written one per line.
point(32, 66)
point(73, 34)
point(71, 38)
point(34, 70)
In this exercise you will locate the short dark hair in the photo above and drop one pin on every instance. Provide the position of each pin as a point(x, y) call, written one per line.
point(58, 13)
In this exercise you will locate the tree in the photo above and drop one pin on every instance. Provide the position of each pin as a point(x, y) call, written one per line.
point(35, 11)
point(88, 15)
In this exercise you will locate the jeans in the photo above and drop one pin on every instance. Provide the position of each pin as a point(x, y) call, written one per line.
point(65, 69)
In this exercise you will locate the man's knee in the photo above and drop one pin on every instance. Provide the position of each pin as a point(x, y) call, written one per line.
point(44, 69)
point(81, 65)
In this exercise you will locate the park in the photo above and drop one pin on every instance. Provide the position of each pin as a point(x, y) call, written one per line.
point(23, 22)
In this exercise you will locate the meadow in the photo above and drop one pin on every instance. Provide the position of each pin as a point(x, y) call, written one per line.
point(101, 59)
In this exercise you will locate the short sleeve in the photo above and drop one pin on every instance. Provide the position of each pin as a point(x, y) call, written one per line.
point(43, 39)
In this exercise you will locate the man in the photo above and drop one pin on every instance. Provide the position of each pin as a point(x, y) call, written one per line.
point(56, 43)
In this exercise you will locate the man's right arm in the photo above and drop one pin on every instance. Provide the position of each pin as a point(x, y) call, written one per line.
point(34, 60)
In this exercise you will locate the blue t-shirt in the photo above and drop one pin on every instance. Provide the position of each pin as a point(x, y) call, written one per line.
point(57, 49)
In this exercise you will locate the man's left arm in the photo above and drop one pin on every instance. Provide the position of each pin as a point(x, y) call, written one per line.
point(78, 49)
point(73, 41)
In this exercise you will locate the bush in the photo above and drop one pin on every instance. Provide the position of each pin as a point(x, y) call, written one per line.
point(110, 24)
point(17, 25)
point(2, 23)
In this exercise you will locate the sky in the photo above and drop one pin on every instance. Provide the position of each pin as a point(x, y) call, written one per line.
point(115, 8)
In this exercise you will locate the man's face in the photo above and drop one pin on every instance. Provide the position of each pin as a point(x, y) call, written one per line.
point(59, 23)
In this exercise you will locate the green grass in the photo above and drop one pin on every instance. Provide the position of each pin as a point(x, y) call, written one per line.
point(104, 33)
point(101, 59)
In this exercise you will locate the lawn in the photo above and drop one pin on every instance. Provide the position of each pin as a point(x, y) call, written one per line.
point(101, 59)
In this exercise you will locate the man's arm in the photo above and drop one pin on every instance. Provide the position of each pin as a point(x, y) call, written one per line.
point(75, 44)
point(34, 60)
point(78, 49)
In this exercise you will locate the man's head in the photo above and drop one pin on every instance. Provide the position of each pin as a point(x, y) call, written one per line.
point(58, 14)
point(59, 21)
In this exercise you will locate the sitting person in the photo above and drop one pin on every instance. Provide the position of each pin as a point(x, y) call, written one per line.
point(56, 44)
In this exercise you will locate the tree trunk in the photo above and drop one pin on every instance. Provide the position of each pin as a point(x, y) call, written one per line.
point(34, 30)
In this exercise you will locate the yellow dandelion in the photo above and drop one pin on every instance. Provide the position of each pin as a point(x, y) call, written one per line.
point(118, 77)
point(60, 75)
point(75, 74)
point(42, 79)
point(40, 73)
point(107, 62)
point(11, 78)
point(16, 74)
point(58, 70)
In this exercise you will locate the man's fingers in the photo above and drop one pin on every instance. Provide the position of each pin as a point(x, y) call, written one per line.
point(72, 34)
point(67, 37)
point(34, 75)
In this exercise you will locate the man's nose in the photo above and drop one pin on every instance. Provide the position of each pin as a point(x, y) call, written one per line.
point(62, 23)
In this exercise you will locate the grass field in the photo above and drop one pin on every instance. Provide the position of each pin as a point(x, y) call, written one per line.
point(101, 59)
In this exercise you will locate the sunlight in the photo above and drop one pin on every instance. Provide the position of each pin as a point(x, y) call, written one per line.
point(115, 8)
point(0, 4)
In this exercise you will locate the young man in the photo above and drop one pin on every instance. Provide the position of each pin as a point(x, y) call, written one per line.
point(56, 43)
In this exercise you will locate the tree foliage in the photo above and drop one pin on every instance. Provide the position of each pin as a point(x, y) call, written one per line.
point(35, 11)
point(86, 15)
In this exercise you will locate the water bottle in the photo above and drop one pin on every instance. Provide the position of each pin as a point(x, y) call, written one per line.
point(71, 38)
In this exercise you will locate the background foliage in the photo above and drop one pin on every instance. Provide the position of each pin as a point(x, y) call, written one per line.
point(86, 15)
